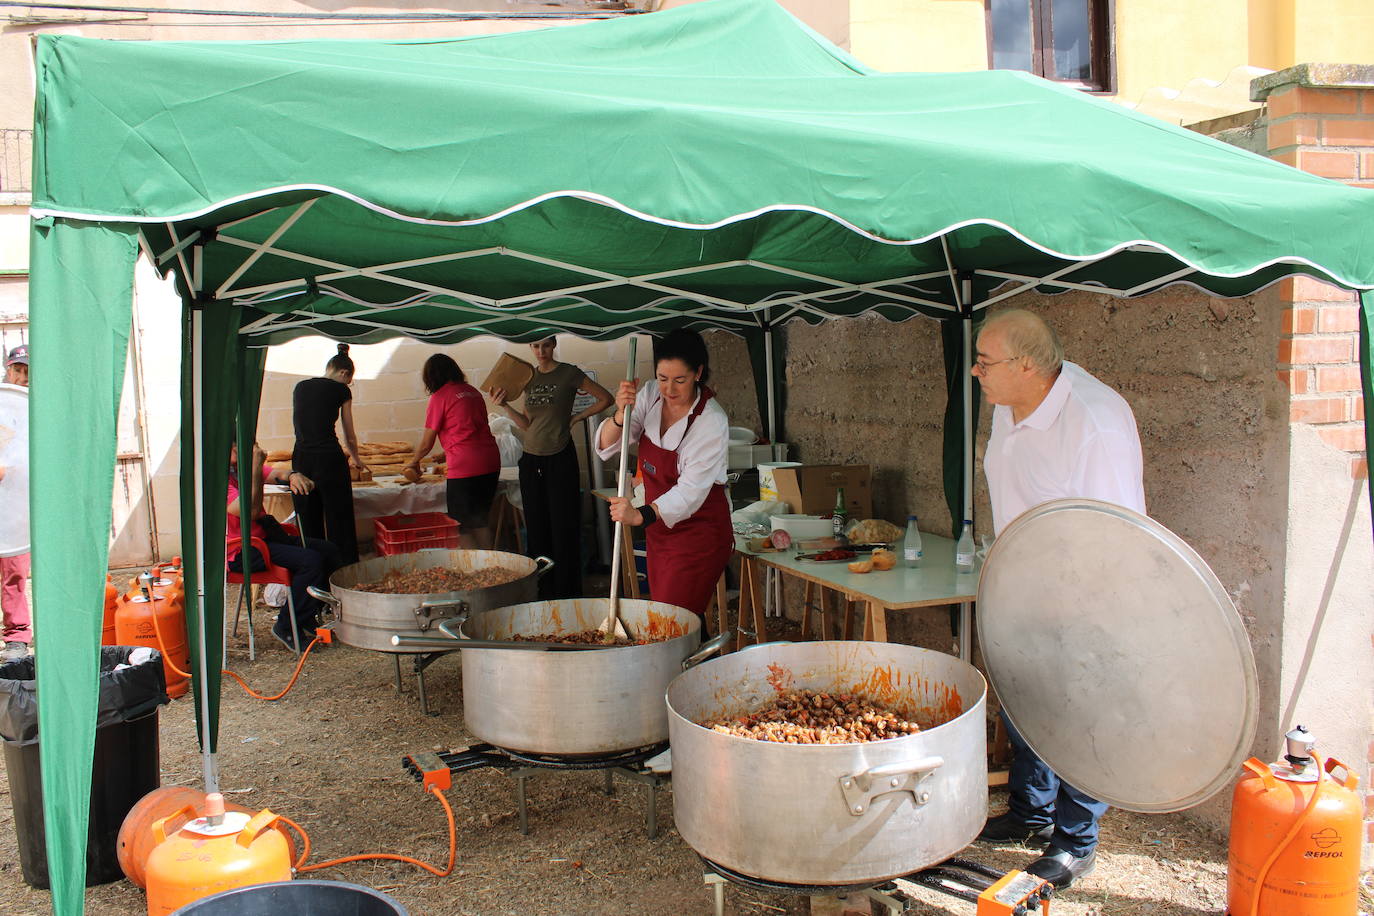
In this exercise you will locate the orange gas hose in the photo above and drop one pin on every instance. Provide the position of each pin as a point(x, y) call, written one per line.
point(1288, 837)
point(289, 684)
point(157, 633)
point(300, 865)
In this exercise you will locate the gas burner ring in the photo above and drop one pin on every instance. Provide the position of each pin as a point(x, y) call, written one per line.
point(557, 762)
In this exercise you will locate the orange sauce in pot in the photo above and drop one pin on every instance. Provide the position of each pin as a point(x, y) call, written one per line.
point(662, 627)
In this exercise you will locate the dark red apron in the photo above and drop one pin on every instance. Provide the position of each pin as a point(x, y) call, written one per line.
point(685, 561)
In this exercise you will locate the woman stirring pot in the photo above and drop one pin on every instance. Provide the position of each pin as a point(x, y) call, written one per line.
point(683, 435)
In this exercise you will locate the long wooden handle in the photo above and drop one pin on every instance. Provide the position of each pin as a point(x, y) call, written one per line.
point(620, 491)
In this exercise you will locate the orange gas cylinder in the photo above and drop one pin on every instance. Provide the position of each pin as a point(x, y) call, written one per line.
point(107, 628)
point(134, 626)
point(1296, 832)
point(212, 853)
point(136, 840)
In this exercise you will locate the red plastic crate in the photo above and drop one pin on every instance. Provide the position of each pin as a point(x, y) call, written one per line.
point(409, 533)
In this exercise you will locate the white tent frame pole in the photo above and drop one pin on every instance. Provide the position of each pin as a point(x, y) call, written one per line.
point(770, 385)
point(969, 432)
point(178, 245)
point(268, 325)
point(796, 310)
point(966, 322)
point(607, 279)
point(209, 765)
point(962, 290)
point(265, 246)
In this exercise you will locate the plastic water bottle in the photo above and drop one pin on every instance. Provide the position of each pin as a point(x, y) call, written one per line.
point(963, 553)
point(911, 544)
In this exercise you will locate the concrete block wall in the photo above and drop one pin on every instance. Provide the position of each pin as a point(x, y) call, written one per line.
point(1321, 120)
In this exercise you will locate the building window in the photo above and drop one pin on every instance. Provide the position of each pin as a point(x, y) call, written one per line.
point(1069, 41)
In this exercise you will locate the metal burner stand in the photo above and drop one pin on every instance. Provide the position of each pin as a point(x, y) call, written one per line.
point(961, 878)
point(523, 767)
point(420, 661)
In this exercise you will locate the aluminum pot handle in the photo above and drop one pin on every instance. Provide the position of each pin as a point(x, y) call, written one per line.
point(320, 595)
point(539, 570)
point(454, 621)
point(708, 648)
point(771, 642)
point(859, 789)
point(424, 612)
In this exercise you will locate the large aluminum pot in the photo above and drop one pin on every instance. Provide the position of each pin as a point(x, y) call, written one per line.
point(830, 814)
point(368, 620)
point(574, 703)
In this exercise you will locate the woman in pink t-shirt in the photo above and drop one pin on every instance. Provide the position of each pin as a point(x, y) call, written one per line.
point(457, 417)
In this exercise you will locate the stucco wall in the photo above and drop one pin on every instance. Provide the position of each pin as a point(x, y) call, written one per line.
point(929, 36)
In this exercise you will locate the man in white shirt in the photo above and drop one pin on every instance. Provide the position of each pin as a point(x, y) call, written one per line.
point(1056, 432)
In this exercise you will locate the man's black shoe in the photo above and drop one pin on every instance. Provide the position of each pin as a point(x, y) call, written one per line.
point(1008, 828)
point(1062, 868)
point(285, 639)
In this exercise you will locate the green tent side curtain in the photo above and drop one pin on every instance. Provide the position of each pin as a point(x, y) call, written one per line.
point(715, 165)
point(81, 293)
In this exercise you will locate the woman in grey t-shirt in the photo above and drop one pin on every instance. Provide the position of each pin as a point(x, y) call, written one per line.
point(550, 480)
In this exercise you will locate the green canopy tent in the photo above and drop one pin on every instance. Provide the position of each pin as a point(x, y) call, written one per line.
point(712, 166)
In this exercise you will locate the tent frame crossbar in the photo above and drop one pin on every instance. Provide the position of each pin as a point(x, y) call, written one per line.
point(266, 246)
point(273, 323)
point(607, 279)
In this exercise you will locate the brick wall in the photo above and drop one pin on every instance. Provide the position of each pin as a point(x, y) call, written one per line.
point(1321, 120)
point(1328, 132)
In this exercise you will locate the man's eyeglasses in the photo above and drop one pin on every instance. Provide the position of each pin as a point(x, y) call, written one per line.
point(984, 365)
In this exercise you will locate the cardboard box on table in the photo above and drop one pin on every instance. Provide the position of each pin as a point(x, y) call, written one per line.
point(810, 489)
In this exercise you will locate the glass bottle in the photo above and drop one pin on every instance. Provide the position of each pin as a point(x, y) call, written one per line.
point(963, 552)
point(840, 516)
point(911, 544)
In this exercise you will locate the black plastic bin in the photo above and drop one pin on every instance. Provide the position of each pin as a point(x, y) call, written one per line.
point(125, 767)
point(297, 898)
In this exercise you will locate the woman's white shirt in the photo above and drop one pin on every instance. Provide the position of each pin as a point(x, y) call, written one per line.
point(701, 451)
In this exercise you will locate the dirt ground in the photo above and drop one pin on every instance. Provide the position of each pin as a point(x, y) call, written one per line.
point(328, 756)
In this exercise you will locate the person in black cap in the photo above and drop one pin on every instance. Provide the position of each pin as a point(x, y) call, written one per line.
point(14, 571)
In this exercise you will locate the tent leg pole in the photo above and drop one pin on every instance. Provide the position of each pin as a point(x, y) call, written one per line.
point(969, 431)
point(966, 608)
point(208, 763)
point(770, 385)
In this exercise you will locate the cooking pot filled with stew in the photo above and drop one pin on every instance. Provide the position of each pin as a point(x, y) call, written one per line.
point(577, 702)
point(409, 593)
point(829, 763)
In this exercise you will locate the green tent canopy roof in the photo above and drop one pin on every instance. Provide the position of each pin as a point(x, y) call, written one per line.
point(717, 166)
point(714, 165)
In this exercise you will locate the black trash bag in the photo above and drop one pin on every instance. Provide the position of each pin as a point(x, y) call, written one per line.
point(129, 693)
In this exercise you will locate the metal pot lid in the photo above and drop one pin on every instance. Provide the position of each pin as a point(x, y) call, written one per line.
point(1117, 654)
point(14, 456)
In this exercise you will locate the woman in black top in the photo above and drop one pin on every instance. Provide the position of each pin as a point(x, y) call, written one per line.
point(317, 404)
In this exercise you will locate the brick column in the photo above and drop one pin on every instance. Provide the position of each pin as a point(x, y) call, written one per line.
point(1321, 120)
